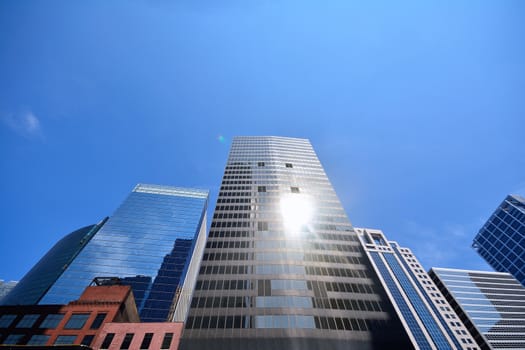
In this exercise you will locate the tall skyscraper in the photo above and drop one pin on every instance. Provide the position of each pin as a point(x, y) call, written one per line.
point(283, 267)
point(35, 284)
point(501, 241)
point(490, 304)
point(424, 311)
point(148, 243)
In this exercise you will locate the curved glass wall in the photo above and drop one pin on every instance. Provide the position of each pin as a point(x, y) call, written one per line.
point(41, 277)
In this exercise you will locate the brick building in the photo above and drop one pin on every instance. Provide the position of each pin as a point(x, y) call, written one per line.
point(76, 323)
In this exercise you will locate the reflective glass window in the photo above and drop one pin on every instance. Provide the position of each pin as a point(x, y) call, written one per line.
point(65, 339)
point(51, 321)
point(13, 339)
point(27, 321)
point(76, 321)
point(38, 339)
point(6, 320)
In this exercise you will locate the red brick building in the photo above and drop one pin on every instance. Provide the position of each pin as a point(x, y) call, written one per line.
point(153, 336)
point(78, 322)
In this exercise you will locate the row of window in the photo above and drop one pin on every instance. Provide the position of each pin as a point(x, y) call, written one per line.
point(51, 321)
point(236, 188)
point(337, 272)
point(43, 339)
point(347, 304)
point(231, 215)
point(349, 287)
point(282, 321)
point(351, 237)
point(340, 287)
point(276, 256)
point(232, 177)
point(233, 200)
point(233, 207)
point(283, 269)
point(232, 224)
point(235, 194)
point(145, 343)
point(238, 182)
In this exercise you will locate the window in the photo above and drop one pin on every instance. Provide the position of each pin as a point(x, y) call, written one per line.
point(289, 165)
point(38, 339)
point(97, 322)
point(127, 341)
point(6, 320)
point(51, 321)
point(146, 341)
point(107, 341)
point(166, 342)
point(261, 189)
point(87, 340)
point(260, 164)
point(65, 339)
point(262, 226)
point(13, 339)
point(76, 321)
point(294, 189)
point(27, 321)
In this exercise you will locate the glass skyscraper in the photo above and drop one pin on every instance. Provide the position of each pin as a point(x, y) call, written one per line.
point(5, 288)
point(424, 311)
point(148, 243)
point(283, 267)
point(490, 304)
point(501, 241)
point(35, 284)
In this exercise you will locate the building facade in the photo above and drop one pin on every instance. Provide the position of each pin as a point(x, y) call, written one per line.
point(424, 311)
point(501, 241)
point(135, 336)
point(5, 288)
point(35, 284)
point(148, 244)
point(283, 267)
point(77, 323)
point(490, 304)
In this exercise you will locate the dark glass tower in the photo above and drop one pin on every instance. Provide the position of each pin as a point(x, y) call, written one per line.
point(283, 267)
point(149, 244)
point(501, 241)
point(41, 277)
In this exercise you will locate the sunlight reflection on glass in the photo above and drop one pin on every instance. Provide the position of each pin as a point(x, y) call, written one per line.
point(296, 211)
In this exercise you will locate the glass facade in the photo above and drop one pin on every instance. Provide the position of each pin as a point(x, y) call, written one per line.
point(283, 267)
point(491, 305)
point(148, 243)
point(425, 313)
point(41, 277)
point(501, 241)
point(5, 288)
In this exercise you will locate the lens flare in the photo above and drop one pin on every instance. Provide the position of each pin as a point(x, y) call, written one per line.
point(296, 211)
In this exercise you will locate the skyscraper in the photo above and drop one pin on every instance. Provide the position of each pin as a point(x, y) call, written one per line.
point(490, 304)
point(35, 284)
point(283, 267)
point(424, 311)
point(5, 288)
point(148, 243)
point(501, 241)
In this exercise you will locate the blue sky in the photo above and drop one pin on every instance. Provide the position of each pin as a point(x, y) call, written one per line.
point(416, 109)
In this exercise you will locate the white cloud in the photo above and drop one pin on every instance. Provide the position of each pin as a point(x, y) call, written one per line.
point(26, 124)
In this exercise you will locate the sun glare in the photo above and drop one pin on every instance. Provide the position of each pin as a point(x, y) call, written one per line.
point(297, 212)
